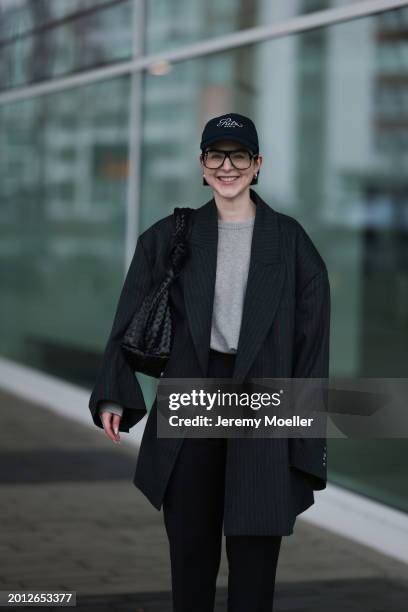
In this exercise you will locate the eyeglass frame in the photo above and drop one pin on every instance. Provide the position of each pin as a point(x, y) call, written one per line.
point(227, 154)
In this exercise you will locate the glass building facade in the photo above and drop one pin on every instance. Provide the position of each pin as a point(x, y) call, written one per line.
point(95, 149)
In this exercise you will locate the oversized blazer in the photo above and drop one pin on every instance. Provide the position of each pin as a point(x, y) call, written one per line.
point(284, 333)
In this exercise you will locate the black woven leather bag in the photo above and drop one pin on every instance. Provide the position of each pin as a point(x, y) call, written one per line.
point(148, 339)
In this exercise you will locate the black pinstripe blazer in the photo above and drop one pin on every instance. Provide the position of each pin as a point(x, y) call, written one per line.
point(284, 333)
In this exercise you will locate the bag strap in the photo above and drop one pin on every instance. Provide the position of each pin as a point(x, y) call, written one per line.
point(180, 249)
point(182, 220)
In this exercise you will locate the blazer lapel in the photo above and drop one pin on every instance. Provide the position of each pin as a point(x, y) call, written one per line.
point(264, 284)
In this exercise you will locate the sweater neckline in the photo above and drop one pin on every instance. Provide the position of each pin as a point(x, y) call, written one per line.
point(235, 224)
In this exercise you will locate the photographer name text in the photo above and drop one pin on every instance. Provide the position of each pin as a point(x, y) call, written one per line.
point(267, 421)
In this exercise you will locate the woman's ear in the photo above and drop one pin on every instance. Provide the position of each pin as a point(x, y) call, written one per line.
point(202, 164)
point(256, 174)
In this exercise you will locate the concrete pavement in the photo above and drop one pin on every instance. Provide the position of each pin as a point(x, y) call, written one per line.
point(72, 519)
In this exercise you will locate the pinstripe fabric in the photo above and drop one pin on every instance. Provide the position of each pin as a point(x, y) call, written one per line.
point(284, 332)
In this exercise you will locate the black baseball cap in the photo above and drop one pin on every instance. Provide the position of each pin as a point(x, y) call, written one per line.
point(231, 126)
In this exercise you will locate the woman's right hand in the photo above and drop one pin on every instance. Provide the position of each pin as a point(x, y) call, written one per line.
point(110, 422)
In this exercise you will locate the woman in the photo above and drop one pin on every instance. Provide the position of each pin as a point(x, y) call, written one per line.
point(252, 301)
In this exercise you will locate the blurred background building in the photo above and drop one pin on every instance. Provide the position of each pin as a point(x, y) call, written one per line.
point(102, 104)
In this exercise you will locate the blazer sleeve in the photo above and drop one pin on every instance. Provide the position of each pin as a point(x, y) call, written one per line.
point(311, 352)
point(116, 381)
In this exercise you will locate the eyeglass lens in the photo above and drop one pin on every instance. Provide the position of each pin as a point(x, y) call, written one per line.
point(239, 159)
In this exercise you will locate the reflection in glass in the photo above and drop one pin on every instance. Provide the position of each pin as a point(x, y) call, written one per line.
point(43, 39)
point(63, 224)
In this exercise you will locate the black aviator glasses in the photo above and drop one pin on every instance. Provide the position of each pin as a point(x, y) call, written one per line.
point(240, 158)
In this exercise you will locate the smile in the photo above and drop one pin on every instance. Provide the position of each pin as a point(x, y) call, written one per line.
point(228, 179)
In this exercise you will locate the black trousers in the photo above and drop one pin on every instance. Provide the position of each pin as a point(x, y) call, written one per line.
point(193, 514)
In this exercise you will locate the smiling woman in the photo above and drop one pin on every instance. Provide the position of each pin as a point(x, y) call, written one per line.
point(252, 301)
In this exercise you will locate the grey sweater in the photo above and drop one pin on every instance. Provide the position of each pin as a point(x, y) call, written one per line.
point(233, 258)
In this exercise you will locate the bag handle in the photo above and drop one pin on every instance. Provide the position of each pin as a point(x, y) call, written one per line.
point(180, 249)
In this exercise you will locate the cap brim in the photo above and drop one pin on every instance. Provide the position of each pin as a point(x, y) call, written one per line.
point(209, 142)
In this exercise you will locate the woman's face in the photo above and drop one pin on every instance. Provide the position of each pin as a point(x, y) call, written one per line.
point(227, 181)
